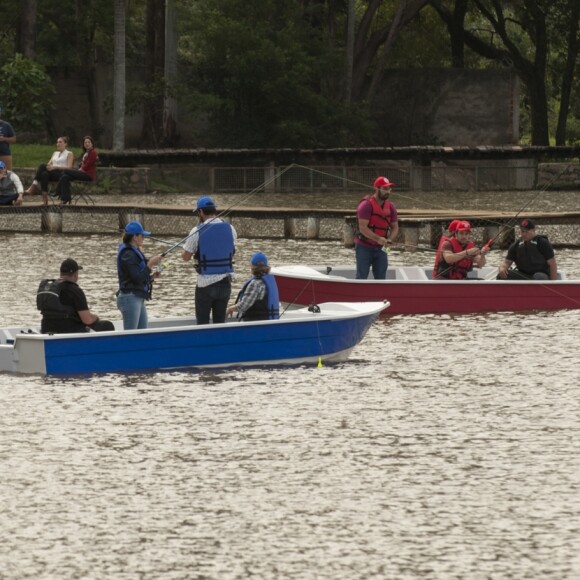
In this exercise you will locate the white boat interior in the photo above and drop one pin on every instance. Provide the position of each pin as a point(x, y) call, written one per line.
point(398, 273)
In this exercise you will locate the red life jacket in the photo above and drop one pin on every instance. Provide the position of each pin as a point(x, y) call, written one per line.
point(457, 271)
point(380, 220)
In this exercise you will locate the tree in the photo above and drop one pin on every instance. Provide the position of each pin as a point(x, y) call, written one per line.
point(25, 43)
point(120, 81)
point(27, 92)
point(517, 33)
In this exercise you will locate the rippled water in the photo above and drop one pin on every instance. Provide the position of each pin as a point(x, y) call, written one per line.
point(447, 447)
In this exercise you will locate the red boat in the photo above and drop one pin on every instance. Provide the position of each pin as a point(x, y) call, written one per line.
point(411, 290)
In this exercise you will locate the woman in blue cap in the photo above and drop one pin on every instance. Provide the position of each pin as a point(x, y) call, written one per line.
point(258, 299)
point(135, 277)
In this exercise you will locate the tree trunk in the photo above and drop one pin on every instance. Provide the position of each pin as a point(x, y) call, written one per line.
point(26, 38)
point(568, 75)
point(456, 34)
point(152, 130)
point(349, 60)
point(119, 87)
point(170, 134)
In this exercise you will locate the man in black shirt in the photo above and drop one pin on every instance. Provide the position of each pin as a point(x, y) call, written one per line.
point(64, 306)
point(533, 255)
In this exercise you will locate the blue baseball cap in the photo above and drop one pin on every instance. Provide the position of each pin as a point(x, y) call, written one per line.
point(259, 259)
point(135, 229)
point(204, 202)
point(2, 165)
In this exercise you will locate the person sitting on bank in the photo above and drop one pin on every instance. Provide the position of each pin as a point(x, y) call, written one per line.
point(87, 171)
point(458, 255)
point(63, 304)
point(533, 255)
point(11, 189)
point(258, 299)
point(60, 160)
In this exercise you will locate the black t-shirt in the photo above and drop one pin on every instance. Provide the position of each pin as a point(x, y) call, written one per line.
point(532, 256)
point(70, 295)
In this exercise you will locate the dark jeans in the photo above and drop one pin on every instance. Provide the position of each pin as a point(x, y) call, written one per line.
point(44, 176)
point(371, 256)
point(517, 275)
point(63, 185)
point(213, 299)
point(8, 198)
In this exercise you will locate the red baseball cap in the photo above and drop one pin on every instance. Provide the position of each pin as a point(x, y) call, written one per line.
point(463, 226)
point(382, 182)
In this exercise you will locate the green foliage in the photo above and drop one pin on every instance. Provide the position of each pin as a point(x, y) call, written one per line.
point(26, 93)
point(257, 70)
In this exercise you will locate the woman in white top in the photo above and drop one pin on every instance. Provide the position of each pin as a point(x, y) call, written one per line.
point(61, 159)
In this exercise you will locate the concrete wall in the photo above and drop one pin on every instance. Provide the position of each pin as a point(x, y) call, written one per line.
point(451, 107)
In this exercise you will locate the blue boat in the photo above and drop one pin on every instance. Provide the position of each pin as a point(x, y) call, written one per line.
point(326, 332)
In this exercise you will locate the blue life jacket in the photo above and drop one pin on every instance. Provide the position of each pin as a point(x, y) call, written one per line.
point(215, 249)
point(268, 308)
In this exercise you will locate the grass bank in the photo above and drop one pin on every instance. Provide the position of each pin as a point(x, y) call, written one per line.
point(31, 155)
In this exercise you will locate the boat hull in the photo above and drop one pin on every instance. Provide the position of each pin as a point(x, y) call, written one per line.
point(303, 285)
point(329, 335)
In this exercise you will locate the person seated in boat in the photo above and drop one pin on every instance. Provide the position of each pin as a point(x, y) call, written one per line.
point(63, 304)
point(451, 233)
point(61, 159)
point(458, 255)
point(212, 243)
point(11, 189)
point(258, 299)
point(378, 226)
point(532, 254)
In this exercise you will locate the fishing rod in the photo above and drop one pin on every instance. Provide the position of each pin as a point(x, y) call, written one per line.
point(228, 210)
point(511, 222)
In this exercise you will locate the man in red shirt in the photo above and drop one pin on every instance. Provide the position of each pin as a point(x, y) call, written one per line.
point(378, 226)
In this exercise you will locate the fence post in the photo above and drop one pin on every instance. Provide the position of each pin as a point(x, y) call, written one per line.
point(51, 220)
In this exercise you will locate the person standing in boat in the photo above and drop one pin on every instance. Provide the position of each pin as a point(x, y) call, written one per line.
point(533, 256)
point(458, 255)
point(212, 243)
point(378, 226)
point(136, 277)
point(64, 306)
point(258, 299)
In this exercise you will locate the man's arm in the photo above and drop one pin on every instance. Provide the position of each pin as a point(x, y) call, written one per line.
point(553, 268)
point(503, 269)
point(87, 317)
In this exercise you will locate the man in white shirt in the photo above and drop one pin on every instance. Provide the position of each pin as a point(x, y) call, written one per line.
point(212, 244)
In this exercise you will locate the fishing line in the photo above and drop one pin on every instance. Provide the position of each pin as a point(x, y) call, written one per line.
point(228, 210)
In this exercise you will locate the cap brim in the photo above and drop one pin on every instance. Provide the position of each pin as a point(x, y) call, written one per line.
point(144, 233)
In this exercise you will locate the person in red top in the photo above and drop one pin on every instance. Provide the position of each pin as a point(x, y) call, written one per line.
point(458, 254)
point(378, 226)
point(87, 170)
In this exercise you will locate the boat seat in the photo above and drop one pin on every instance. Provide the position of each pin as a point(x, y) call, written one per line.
point(413, 273)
